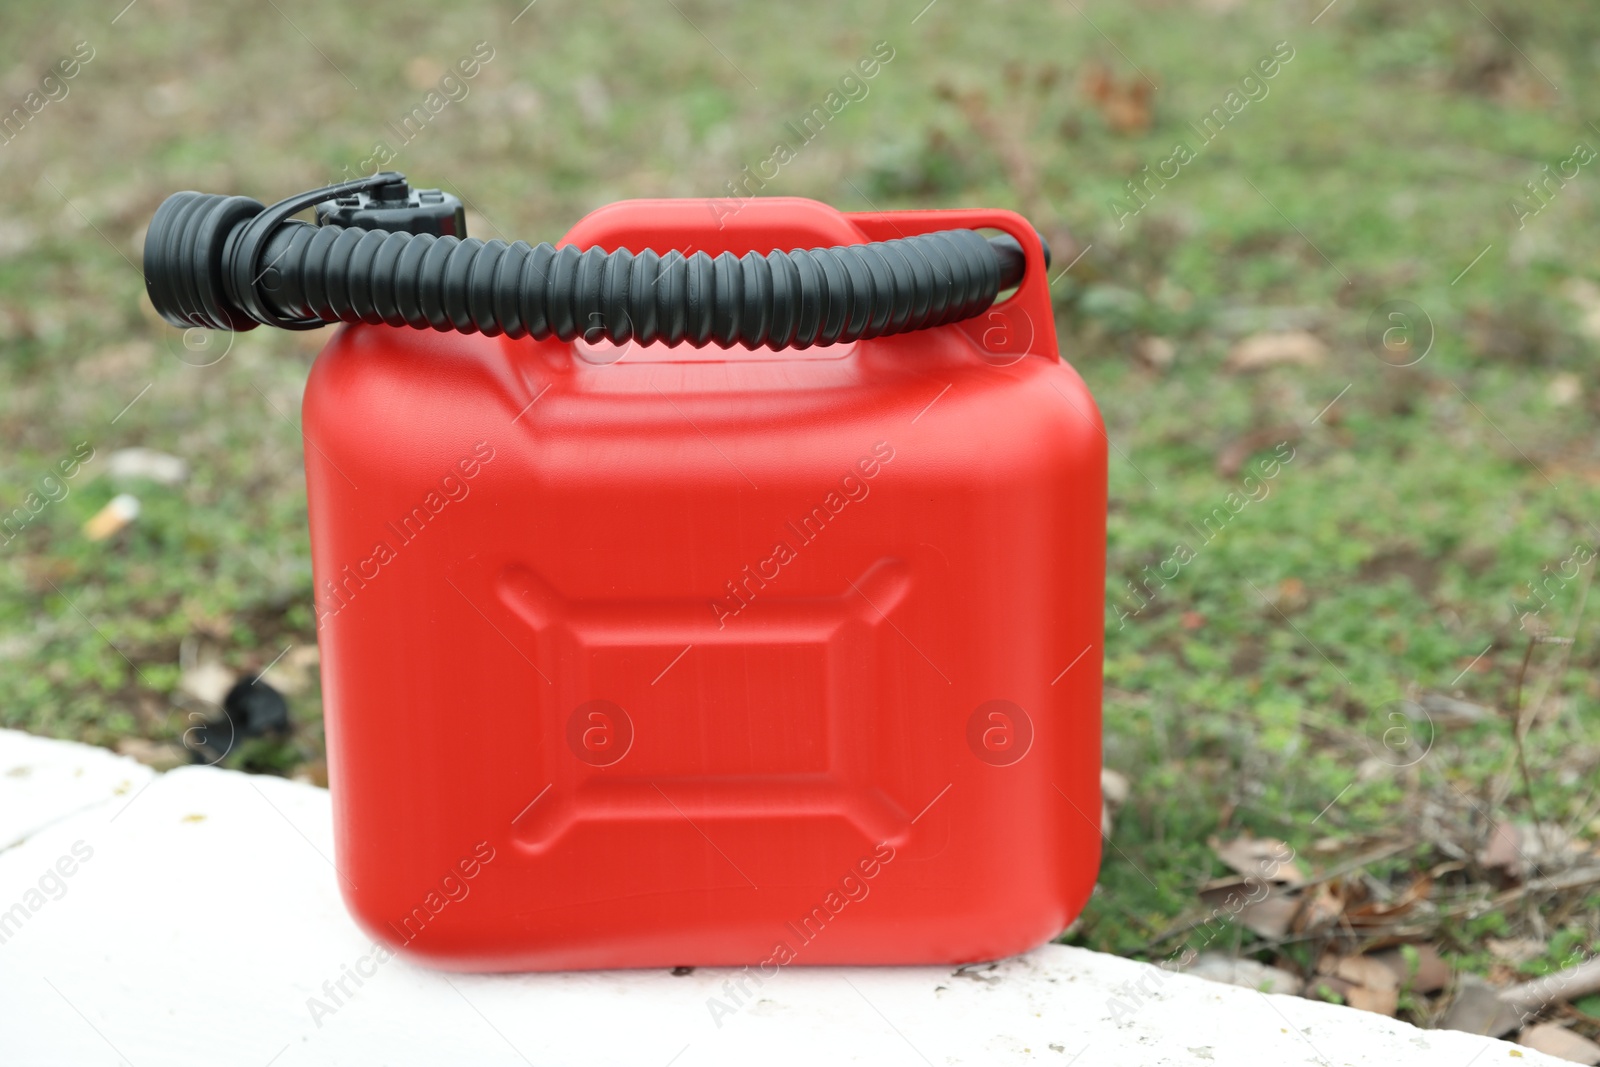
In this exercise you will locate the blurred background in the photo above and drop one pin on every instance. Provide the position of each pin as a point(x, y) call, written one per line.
point(1331, 271)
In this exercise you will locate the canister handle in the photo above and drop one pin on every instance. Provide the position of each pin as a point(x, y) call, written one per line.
point(1022, 324)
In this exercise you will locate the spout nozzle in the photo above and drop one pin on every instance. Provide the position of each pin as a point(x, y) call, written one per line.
point(184, 257)
point(202, 255)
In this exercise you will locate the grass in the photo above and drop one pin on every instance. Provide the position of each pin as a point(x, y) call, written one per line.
point(1254, 691)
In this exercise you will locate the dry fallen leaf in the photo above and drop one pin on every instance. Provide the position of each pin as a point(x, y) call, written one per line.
point(1377, 1001)
point(1360, 970)
point(1478, 1009)
point(294, 670)
point(1560, 1042)
point(1270, 918)
point(1156, 352)
point(1429, 974)
point(1262, 350)
point(1125, 105)
point(1114, 786)
point(1363, 982)
point(1503, 852)
point(1319, 909)
point(207, 681)
point(1515, 850)
point(422, 72)
point(1564, 389)
point(1259, 857)
point(1291, 595)
point(1377, 913)
point(1241, 898)
point(1113, 794)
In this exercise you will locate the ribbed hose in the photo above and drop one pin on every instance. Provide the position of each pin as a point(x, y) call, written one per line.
point(778, 300)
point(221, 262)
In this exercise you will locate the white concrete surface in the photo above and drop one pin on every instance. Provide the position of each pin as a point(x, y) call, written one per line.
point(200, 922)
point(42, 781)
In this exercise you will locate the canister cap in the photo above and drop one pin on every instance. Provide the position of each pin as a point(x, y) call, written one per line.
point(397, 208)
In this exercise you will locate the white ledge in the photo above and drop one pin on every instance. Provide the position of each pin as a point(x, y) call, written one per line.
point(201, 924)
point(43, 781)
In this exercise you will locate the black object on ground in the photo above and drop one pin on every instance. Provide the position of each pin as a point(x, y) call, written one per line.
point(256, 709)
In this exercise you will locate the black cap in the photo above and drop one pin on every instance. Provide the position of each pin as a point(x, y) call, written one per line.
point(396, 207)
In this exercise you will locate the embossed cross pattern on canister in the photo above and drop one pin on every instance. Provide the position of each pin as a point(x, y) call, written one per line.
point(781, 696)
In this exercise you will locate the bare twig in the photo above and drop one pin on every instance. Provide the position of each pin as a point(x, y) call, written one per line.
point(1567, 984)
point(1522, 674)
point(1383, 852)
point(1578, 878)
point(1517, 735)
point(1526, 717)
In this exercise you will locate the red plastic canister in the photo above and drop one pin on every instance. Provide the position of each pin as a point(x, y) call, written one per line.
point(653, 656)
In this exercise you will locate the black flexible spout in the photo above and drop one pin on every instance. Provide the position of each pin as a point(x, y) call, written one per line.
point(228, 263)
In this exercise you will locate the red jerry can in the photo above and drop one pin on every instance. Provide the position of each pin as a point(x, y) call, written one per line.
point(646, 655)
